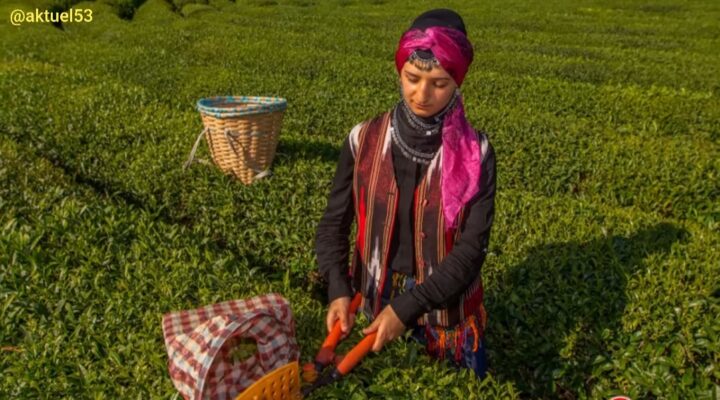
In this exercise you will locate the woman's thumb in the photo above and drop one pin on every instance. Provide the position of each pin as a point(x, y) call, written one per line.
point(370, 329)
point(330, 321)
point(343, 324)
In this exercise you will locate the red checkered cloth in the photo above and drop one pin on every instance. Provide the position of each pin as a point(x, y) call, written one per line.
point(200, 343)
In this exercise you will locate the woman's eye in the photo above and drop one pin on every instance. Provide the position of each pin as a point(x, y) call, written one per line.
point(441, 86)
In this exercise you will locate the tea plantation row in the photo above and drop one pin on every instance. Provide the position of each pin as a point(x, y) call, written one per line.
point(603, 271)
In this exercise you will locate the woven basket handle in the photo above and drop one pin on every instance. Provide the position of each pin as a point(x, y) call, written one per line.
point(228, 134)
point(191, 158)
point(244, 154)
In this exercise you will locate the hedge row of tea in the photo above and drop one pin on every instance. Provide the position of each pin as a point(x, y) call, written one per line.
point(603, 271)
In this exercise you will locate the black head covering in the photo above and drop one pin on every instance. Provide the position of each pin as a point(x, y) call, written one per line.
point(439, 17)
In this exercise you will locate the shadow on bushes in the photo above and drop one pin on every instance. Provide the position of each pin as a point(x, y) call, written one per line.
point(553, 314)
point(289, 150)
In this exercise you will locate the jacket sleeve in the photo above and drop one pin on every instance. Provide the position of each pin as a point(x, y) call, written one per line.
point(332, 244)
point(464, 262)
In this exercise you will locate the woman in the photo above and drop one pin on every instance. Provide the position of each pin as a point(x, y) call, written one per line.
point(423, 210)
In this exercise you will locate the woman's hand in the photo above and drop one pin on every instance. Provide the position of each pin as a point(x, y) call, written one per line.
point(388, 327)
point(339, 309)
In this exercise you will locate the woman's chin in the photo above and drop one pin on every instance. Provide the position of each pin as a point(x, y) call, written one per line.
point(422, 112)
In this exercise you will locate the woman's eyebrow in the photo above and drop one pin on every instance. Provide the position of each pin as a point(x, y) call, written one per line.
point(411, 75)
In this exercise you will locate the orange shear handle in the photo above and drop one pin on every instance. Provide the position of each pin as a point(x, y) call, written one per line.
point(356, 355)
point(326, 355)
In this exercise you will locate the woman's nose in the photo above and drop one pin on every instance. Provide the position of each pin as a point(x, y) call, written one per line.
point(424, 93)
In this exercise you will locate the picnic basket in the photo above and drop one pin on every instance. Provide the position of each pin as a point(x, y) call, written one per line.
point(202, 345)
point(242, 133)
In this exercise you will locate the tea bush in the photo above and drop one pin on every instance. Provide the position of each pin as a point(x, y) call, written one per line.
point(602, 276)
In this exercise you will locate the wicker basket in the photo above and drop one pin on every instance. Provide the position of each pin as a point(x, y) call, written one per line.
point(242, 133)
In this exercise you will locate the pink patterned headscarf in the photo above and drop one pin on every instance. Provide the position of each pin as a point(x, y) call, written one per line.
point(461, 148)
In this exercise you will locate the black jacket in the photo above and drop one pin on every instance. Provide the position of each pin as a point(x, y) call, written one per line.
point(457, 270)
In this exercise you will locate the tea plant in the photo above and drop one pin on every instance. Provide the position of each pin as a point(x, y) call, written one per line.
point(602, 275)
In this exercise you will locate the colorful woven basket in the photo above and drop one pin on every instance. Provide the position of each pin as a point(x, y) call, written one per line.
point(242, 133)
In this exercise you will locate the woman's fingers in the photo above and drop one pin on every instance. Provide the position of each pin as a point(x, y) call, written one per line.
point(334, 314)
point(350, 324)
point(377, 346)
point(371, 328)
point(380, 340)
point(344, 320)
point(379, 326)
point(388, 327)
point(338, 310)
point(330, 319)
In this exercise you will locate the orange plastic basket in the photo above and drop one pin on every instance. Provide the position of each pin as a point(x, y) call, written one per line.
point(281, 384)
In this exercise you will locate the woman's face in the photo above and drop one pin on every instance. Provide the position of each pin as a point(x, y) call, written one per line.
point(426, 92)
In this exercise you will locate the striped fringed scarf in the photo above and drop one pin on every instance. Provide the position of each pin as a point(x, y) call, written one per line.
point(440, 340)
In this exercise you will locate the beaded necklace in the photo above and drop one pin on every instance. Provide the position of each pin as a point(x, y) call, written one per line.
point(429, 128)
point(418, 125)
point(405, 149)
